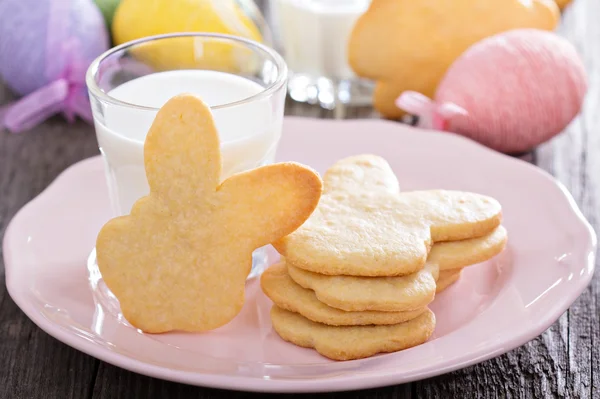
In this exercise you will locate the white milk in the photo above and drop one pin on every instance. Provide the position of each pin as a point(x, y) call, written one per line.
point(314, 34)
point(249, 133)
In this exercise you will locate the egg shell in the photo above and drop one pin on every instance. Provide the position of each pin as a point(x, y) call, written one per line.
point(408, 45)
point(28, 45)
point(519, 89)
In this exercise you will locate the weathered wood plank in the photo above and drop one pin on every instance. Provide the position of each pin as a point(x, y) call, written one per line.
point(33, 364)
point(115, 383)
point(574, 158)
point(535, 370)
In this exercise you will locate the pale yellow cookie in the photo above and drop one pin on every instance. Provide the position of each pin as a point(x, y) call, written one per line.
point(379, 233)
point(351, 342)
point(181, 259)
point(410, 44)
point(285, 293)
point(447, 278)
point(361, 173)
point(399, 293)
point(458, 254)
point(358, 294)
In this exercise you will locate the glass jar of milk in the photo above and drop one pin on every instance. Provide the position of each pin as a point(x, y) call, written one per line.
point(242, 81)
point(313, 37)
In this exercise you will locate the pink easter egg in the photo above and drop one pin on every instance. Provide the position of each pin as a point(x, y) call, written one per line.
point(511, 91)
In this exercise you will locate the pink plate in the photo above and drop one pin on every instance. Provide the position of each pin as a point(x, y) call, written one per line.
point(493, 308)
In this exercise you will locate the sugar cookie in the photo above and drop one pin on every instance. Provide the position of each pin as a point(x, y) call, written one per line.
point(179, 261)
point(351, 342)
point(358, 232)
point(285, 293)
point(358, 294)
point(409, 45)
point(361, 173)
point(458, 254)
point(399, 293)
point(447, 278)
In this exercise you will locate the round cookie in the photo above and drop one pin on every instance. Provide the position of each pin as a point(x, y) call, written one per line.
point(351, 342)
point(458, 254)
point(286, 294)
point(447, 278)
point(359, 294)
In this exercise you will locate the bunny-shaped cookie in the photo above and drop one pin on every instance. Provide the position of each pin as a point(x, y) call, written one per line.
point(364, 227)
point(408, 45)
point(179, 261)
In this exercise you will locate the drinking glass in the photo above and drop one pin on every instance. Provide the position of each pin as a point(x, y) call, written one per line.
point(243, 82)
point(313, 36)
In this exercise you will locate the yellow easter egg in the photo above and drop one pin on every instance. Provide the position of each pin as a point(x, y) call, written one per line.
point(409, 45)
point(135, 19)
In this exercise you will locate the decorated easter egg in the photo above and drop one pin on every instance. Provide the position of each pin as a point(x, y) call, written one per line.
point(45, 49)
point(510, 92)
point(409, 44)
point(34, 34)
point(136, 19)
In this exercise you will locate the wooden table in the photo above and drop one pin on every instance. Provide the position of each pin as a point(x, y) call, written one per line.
point(564, 361)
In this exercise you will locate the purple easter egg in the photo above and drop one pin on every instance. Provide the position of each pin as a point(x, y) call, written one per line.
point(33, 34)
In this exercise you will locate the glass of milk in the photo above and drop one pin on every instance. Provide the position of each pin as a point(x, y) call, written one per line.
point(242, 81)
point(313, 37)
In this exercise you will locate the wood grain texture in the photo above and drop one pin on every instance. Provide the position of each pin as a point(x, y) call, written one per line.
point(563, 362)
point(574, 158)
point(33, 364)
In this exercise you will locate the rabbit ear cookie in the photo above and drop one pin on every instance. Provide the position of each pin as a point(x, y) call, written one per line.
point(182, 155)
point(361, 173)
point(179, 261)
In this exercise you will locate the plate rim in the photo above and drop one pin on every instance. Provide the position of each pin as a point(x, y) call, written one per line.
point(253, 384)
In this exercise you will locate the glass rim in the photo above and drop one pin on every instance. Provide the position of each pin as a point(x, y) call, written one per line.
point(282, 73)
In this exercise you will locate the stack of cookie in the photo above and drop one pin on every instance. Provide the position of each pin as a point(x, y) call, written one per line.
point(453, 256)
point(357, 278)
